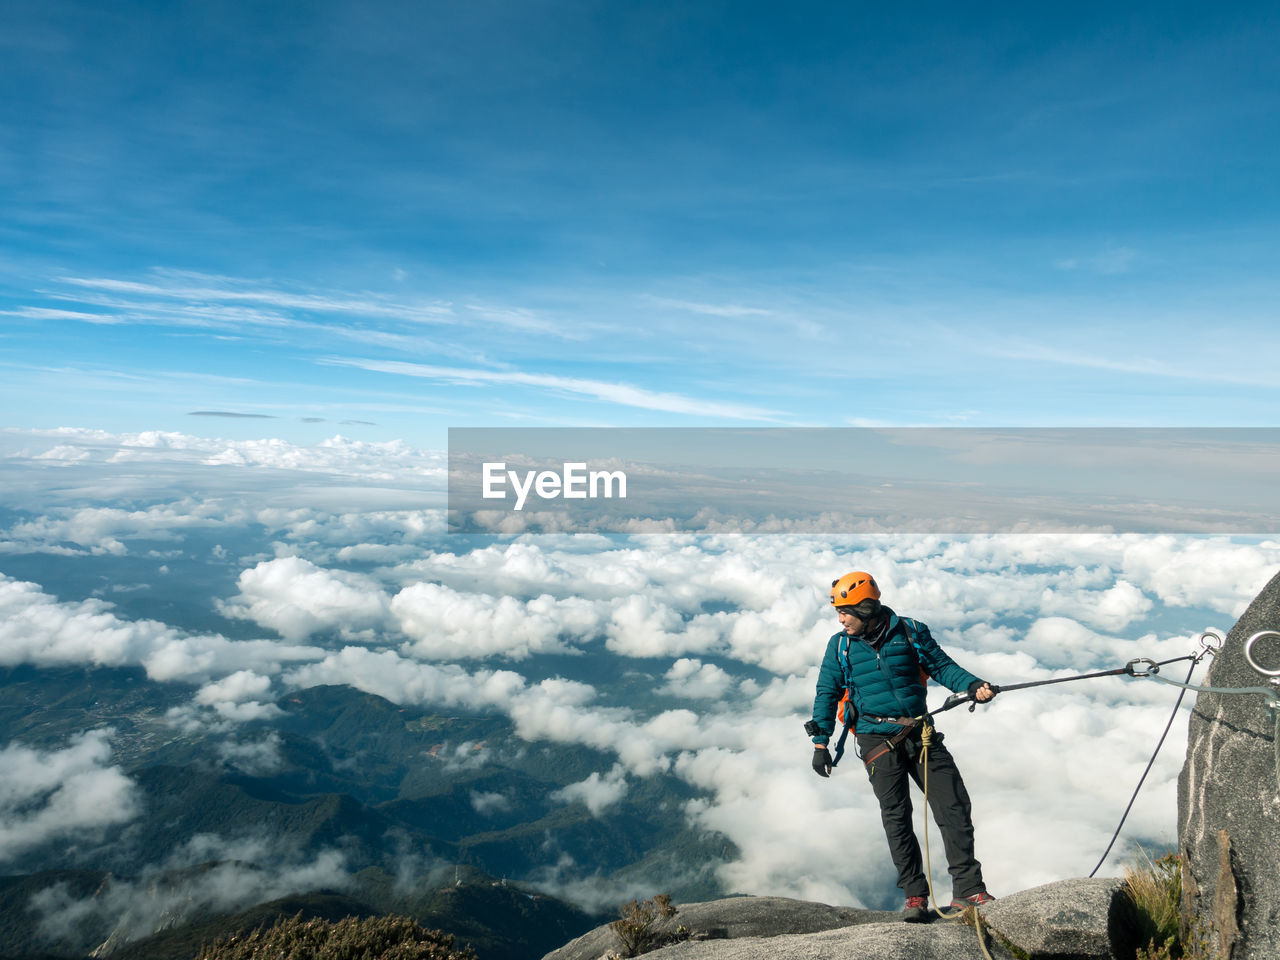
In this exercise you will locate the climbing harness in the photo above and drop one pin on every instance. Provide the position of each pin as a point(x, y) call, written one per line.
point(907, 723)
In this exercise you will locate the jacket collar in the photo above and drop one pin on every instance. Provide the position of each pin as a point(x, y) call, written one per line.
point(886, 629)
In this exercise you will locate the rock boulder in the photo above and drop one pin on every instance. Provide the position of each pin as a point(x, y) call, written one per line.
point(1070, 920)
point(731, 918)
point(1229, 801)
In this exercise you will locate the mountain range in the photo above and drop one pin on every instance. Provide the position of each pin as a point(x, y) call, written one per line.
point(348, 804)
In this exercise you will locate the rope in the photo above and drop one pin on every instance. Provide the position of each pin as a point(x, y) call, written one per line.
point(1273, 704)
point(926, 740)
point(1143, 779)
point(1273, 692)
point(1118, 671)
point(958, 699)
point(977, 926)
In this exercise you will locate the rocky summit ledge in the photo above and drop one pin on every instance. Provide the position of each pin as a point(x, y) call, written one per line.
point(1069, 920)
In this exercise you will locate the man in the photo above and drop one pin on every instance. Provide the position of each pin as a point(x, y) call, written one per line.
point(882, 660)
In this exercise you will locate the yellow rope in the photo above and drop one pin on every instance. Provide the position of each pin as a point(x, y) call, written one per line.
point(926, 740)
point(977, 925)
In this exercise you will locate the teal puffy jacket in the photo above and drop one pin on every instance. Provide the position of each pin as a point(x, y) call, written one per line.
point(884, 678)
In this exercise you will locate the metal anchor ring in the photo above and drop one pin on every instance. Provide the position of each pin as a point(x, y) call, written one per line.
point(1132, 669)
point(1211, 642)
point(1248, 652)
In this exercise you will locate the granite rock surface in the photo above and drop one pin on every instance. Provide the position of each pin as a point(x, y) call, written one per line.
point(1229, 797)
point(1070, 920)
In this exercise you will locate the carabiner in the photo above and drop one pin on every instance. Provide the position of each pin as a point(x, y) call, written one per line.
point(1131, 669)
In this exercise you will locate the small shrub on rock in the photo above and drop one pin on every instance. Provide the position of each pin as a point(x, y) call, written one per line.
point(636, 928)
point(370, 938)
point(1155, 888)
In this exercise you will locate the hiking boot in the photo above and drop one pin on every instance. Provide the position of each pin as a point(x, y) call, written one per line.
point(917, 910)
point(975, 900)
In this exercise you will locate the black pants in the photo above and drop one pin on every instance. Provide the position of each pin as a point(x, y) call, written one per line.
point(948, 799)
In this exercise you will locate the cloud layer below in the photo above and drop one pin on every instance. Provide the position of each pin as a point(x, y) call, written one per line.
point(694, 655)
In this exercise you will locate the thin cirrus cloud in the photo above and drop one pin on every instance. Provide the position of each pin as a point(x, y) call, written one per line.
point(230, 415)
point(1110, 262)
point(436, 313)
point(50, 313)
point(622, 394)
point(727, 310)
point(226, 303)
point(238, 319)
point(1112, 361)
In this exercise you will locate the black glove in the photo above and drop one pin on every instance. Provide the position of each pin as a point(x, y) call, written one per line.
point(822, 762)
point(977, 685)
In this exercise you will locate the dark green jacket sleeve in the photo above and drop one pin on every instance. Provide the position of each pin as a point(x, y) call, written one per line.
point(941, 667)
point(830, 690)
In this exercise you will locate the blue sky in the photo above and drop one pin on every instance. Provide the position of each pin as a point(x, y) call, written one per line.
point(237, 221)
point(387, 219)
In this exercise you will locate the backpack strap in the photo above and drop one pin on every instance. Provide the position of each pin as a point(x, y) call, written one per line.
point(845, 711)
point(913, 635)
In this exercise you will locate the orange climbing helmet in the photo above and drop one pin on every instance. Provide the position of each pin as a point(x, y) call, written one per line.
point(853, 588)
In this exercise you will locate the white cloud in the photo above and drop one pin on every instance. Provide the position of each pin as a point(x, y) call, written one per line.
point(730, 310)
point(598, 793)
point(1049, 770)
point(255, 758)
point(37, 628)
point(618, 393)
point(387, 674)
point(341, 474)
point(487, 804)
point(131, 909)
point(213, 289)
point(694, 680)
point(239, 697)
point(65, 453)
point(296, 598)
point(1213, 573)
point(442, 623)
point(641, 626)
point(103, 530)
point(235, 688)
point(1008, 607)
point(61, 794)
